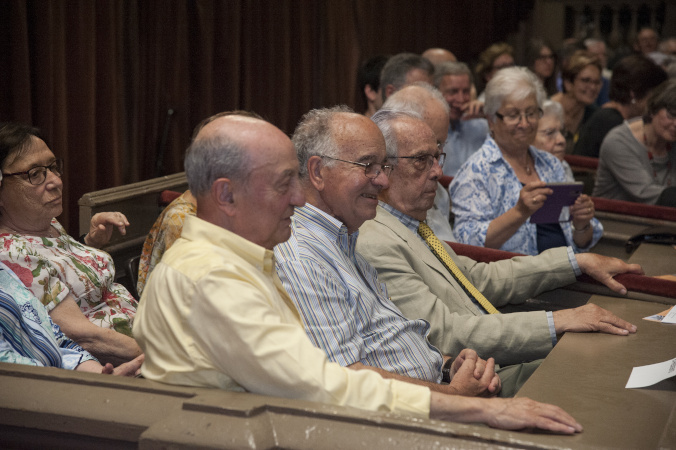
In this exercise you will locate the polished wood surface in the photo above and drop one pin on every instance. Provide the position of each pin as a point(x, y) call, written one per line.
point(586, 374)
point(656, 259)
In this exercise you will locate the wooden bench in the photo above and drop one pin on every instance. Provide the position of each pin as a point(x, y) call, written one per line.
point(141, 202)
point(622, 220)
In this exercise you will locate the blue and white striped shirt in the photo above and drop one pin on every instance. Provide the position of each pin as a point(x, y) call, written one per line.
point(345, 309)
point(27, 333)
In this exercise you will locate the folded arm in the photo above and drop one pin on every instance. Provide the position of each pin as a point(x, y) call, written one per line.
point(105, 344)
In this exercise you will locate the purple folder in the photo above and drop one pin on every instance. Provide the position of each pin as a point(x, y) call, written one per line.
point(564, 194)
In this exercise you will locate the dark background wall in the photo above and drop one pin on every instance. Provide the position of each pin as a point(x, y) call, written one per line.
point(100, 77)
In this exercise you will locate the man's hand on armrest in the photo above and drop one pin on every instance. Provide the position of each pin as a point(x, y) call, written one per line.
point(506, 414)
point(590, 317)
point(604, 268)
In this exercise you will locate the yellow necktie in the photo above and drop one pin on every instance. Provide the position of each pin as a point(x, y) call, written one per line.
point(442, 255)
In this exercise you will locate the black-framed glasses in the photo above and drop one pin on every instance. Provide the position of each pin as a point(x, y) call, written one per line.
point(371, 170)
point(38, 174)
point(424, 162)
point(515, 118)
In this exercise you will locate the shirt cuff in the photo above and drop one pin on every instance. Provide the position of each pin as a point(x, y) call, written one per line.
point(552, 328)
point(573, 261)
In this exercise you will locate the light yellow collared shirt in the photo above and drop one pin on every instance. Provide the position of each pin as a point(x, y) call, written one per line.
point(214, 314)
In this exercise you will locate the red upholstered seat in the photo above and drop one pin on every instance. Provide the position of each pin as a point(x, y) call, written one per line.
point(579, 161)
point(167, 197)
point(635, 209)
point(445, 181)
point(636, 283)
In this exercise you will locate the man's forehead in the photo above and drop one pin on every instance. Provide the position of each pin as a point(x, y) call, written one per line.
point(357, 134)
point(414, 134)
point(457, 81)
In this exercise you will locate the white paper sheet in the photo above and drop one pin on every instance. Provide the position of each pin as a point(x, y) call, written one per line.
point(643, 376)
point(671, 313)
point(670, 317)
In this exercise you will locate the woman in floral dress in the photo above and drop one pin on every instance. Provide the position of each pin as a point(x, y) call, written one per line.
point(74, 281)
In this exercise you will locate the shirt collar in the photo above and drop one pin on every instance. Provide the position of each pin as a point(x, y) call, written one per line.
point(328, 227)
point(493, 153)
point(195, 229)
point(408, 221)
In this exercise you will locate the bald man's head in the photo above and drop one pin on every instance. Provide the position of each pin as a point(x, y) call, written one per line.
point(439, 55)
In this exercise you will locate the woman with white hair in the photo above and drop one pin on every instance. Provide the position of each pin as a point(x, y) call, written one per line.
point(550, 136)
point(505, 182)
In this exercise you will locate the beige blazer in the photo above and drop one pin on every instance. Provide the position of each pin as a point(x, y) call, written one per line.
point(422, 287)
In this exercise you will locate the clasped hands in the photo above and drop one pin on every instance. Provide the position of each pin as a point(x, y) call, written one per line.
point(472, 376)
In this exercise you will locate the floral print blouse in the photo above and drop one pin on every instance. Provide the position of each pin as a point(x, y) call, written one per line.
point(166, 229)
point(52, 268)
point(486, 187)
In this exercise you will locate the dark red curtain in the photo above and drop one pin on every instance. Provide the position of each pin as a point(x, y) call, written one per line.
point(116, 84)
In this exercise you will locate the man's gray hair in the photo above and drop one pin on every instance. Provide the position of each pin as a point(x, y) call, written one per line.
point(400, 101)
point(451, 68)
point(314, 136)
point(384, 118)
point(397, 67)
point(552, 108)
point(211, 157)
point(515, 83)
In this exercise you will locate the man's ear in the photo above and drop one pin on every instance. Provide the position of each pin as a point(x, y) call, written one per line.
point(314, 170)
point(370, 93)
point(389, 90)
point(222, 194)
point(567, 85)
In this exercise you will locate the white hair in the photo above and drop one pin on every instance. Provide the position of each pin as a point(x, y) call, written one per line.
point(405, 100)
point(384, 119)
point(516, 83)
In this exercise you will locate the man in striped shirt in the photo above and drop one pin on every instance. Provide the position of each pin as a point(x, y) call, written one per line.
point(345, 309)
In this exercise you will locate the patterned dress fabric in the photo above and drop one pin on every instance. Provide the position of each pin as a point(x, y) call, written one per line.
point(52, 268)
point(166, 229)
point(487, 187)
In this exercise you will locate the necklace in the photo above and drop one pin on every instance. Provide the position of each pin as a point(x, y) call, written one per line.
point(528, 171)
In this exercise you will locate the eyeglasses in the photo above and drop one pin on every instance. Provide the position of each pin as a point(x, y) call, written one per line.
point(550, 56)
point(514, 118)
point(38, 174)
point(591, 81)
point(549, 133)
point(424, 162)
point(671, 115)
point(371, 170)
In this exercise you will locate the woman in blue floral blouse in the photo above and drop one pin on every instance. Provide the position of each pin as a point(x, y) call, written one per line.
point(504, 183)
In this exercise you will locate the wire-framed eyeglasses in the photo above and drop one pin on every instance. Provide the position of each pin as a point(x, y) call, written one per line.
point(371, 170)
point(515, 117)
point(424, 162)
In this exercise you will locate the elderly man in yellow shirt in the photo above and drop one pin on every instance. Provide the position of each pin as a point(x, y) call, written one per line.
point(214, 314)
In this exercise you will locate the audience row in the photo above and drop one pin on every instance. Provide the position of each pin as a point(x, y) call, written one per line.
point(313, 268)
